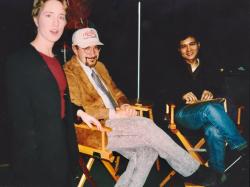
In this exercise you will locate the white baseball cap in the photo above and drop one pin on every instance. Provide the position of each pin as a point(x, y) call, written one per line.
point(85, 37)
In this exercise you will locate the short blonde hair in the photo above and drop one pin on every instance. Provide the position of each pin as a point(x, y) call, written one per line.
point(38, 4)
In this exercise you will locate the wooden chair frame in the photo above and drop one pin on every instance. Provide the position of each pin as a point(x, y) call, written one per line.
point(193, 150)
point(106, 156)
point(188, 146)
point(144, 109)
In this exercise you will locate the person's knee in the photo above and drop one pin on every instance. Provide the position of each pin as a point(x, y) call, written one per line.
point(152, 153)
point(212, 132)
point(149, 152)
point(146, 121)
point(213, 108)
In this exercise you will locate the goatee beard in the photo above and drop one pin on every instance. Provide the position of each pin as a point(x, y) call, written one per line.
point(91, 65)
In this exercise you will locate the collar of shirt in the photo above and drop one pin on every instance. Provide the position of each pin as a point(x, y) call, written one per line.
point(87, 69)
point(195, 65)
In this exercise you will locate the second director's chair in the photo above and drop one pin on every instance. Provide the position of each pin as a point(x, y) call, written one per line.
point(192, 149)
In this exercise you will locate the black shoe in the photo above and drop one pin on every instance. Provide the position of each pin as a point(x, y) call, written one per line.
point(245, 159)
point(237, 167)
point(237, 161)
point(207, 177)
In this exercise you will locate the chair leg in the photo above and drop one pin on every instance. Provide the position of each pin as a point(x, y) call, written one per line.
point(189, 147)
point(158, 165)
point(83, 178)
point(167, 178)
point(86, 172)
point(117, 162)
point(110, 169)
point(195, 155)
point(192, 185)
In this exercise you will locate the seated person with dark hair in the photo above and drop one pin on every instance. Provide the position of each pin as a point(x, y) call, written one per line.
point(197, 82)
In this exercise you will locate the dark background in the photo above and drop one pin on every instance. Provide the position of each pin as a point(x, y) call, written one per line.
point(223, 27)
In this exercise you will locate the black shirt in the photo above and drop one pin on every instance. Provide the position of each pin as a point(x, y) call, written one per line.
point(203, 78)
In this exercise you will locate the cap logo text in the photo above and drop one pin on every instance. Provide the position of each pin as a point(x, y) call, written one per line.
point(89, 34)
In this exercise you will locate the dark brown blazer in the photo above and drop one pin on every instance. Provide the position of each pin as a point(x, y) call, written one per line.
point(84, 94)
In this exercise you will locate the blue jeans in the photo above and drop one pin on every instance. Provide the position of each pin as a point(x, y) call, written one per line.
point(218, 128)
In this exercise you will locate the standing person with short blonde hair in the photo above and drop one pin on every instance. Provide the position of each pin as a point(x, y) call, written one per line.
point(43, 143)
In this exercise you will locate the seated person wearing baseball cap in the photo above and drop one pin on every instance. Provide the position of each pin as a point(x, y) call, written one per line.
point(138, 139)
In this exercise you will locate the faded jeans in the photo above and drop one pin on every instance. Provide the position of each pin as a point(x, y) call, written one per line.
point(218, 128)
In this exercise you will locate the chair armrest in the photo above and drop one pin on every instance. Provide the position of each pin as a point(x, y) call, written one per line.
point(240, 109)
point(85, 126)
point(218, 100)
point(92, 137)
point(170, 111)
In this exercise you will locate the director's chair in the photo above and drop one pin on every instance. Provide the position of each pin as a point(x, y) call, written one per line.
point(192, 149)
point(93, 142)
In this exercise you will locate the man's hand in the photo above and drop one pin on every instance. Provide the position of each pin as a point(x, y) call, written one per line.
point(189, 98)
point(206, 95)
point(89, 120)
point(124, 111)
point(128, 109)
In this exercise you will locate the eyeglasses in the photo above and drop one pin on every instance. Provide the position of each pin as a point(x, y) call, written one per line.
point(94, 49)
